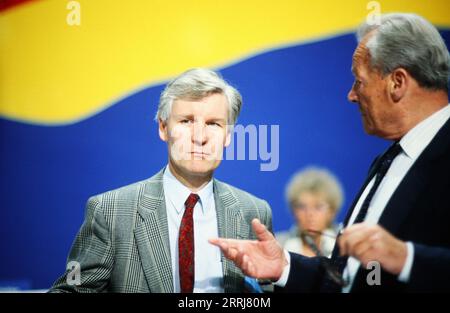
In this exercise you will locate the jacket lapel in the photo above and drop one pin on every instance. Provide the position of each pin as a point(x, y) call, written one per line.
point(415, 181)
point(152, 236)
point(404, 198)
point(230, 224)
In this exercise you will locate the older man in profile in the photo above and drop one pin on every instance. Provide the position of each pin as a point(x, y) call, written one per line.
point(399, 219)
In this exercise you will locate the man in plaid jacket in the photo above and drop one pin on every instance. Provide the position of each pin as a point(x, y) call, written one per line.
point(134, 238)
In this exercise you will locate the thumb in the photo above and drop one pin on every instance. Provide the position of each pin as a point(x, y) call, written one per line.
point(261, 231)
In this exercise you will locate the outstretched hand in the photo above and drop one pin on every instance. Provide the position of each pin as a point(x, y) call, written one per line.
point(263, 258)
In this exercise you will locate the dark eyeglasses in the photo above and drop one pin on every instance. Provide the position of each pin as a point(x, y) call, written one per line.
point(331, 271)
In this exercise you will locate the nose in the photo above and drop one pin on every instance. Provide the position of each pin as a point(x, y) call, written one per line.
point(310, 213)
point(352, 96)
point(199, 136)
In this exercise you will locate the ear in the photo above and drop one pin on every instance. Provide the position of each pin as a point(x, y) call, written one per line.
point(398, 84)
point(228, 136)
point(163, 130)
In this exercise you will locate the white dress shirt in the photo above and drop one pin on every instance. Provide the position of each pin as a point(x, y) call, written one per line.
point(208, 266)
point(413, 144)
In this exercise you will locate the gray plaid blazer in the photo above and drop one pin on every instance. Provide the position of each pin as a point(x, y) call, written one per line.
point(123, 244)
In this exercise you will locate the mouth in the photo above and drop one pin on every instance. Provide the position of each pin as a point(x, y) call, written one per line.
point(197, 154)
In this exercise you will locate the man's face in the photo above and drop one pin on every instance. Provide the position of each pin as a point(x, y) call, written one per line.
point(196, 133)
point(370, 92)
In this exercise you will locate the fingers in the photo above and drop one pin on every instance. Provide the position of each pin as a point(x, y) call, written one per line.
point(247, 266)
point(261, 231)
point(356, 239)
point(235, 250)
point(232, 249)
point(238, 256)
point(221, 243)
point(214, 241)
point(364, 250)
point(243, 263)
point(227, 250)
point(373, 243)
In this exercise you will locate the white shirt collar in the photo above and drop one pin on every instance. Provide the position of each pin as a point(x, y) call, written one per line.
point(418, 138)
point(177, 193)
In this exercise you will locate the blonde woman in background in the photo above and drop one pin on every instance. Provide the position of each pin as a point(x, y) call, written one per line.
point(314, 196)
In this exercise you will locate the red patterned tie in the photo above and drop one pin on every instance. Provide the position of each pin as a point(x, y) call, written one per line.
point(186, 246)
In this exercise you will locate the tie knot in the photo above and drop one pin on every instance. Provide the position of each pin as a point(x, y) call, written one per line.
point(387, 158)
point(393, 151)
point(191, 201)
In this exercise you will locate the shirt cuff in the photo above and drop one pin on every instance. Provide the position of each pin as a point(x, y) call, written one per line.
point(285, 275)
point(406, 271)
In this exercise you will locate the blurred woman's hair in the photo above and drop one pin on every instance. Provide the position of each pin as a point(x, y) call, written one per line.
point(317, 181)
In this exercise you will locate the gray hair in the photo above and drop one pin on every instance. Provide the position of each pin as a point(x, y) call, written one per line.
point(411, 42)
point(196, 84)
point(317, 181)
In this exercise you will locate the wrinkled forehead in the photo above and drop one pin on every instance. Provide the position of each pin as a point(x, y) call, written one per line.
point(214, 105)
point(361, 57)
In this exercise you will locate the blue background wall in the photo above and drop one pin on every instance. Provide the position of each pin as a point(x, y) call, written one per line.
point(48, 172)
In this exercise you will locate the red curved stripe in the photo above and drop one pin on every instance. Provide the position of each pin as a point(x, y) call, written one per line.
point(8, 4)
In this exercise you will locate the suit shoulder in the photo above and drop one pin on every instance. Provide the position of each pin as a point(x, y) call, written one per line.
point(127, 195)
point(120, 192)
point(243, 196)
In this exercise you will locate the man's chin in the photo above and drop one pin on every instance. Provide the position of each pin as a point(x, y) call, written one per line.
point(201, 167)
point(368, 129)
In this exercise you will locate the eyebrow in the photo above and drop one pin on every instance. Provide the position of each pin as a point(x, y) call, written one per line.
point(187, 116)
point(216, 119)
point(192, 116)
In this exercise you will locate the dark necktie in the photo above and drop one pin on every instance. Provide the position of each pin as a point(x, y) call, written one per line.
point(186, 256)
point(382, 166)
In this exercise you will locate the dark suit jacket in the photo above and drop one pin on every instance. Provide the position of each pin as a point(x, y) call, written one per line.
point(418, 211)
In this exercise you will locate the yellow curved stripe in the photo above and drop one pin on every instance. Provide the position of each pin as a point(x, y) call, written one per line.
point(53, 73)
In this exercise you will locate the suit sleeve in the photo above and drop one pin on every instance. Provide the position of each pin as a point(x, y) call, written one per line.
point(267, 216)
point(430, 270)
point(92, 250)
point(305, 275)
